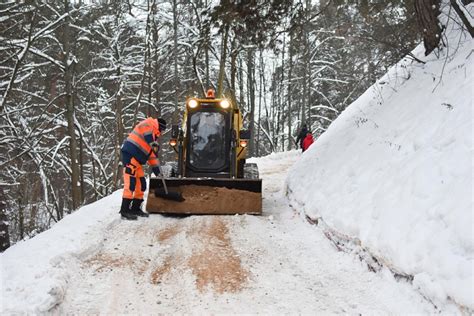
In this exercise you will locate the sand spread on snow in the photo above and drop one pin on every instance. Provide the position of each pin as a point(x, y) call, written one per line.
point(213, 261)
point(216, 263)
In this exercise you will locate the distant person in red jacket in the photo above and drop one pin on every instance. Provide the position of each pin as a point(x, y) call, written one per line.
point(301, 136)
point(307, 141)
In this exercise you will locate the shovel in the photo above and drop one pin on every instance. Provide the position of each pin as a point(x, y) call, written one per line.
point(164, 193)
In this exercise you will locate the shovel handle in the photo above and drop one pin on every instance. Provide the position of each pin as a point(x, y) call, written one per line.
point(163, 180)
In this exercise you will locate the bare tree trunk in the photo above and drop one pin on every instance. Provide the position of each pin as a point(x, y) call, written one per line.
point(305, 98)
point(303, 107)
point(281, 96)
point(233, 70)
point(119, 125)
point(21, 216)
point(4, 224)
point(427, 12)
point(21, 56)
point(260, 91)
point(290, 77)
point(157, 94)
point(94, 181)
point(68, 74)
point(251, 89)
point(220, 82)
point(308, 99)
point(208, 80)
point(241, 85)
point(138, 100)
point(272, 113)
point(81, 165)
point(175, 60)
point(206, 56)
point(149, 107)
point(155, 62)
point(119, 128)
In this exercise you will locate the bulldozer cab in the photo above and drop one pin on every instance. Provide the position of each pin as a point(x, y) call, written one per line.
point(212, 140)
point(211, 148)
point(209, 143)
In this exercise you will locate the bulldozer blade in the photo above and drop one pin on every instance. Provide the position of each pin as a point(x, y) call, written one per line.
point(206, 196)
point(173, 196)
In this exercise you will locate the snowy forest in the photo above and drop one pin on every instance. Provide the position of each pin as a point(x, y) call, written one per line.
point(76, 76)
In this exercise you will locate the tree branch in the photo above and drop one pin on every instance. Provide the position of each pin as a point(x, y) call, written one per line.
point(463, 17)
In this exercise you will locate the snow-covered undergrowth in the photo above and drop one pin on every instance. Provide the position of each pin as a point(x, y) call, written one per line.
point(394, 171)
point(34, 273)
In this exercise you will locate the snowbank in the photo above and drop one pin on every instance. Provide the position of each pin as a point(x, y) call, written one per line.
point(34, 275)
point(395, 171)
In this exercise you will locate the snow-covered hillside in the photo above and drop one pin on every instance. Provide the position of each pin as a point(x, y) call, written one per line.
point(394, 172)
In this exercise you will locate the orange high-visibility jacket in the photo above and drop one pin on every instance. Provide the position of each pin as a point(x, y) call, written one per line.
point(138, 142)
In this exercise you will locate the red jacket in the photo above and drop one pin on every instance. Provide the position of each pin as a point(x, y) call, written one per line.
point(308, 140)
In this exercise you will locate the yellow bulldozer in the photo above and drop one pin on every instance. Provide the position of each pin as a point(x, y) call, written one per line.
point(210, 173)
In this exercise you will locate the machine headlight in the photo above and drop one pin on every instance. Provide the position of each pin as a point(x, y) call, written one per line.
point(225, 104)
point(192, 103)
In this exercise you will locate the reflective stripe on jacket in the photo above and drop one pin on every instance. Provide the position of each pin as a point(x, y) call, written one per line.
point(138, 142)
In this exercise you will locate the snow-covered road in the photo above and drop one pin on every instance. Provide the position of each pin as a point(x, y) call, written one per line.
point(275, 263)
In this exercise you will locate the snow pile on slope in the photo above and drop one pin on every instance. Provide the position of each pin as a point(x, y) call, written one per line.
point(34, 273)
point(395, 171)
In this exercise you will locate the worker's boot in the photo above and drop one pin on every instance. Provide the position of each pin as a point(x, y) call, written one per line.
point(125, 210)
point(137, 208)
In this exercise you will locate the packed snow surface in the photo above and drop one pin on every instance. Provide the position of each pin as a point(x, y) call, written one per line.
point(394, 172)
point(91, 262)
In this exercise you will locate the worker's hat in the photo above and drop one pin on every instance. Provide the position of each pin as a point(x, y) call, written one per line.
point(162, 124)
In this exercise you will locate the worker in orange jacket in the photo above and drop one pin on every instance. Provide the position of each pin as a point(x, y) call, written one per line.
point(140, 147)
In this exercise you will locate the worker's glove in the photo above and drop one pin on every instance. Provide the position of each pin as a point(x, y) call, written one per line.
point(155, 147)
point(156, 171)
